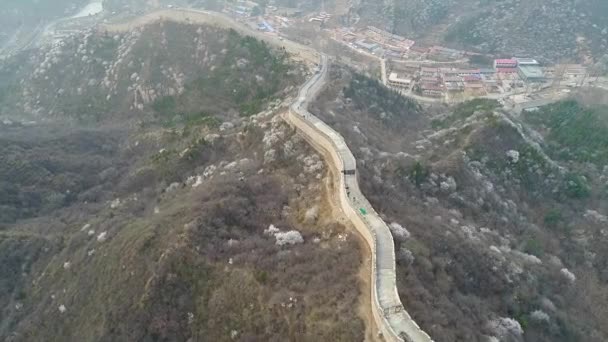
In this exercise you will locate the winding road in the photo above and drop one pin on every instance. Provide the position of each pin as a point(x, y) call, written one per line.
point(393, 321)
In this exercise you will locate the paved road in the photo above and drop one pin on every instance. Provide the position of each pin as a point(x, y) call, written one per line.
point(392, 318)
point(383, 71)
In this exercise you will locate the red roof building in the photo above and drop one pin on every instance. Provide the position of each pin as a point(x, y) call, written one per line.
point(505, 63)
point(472, 78)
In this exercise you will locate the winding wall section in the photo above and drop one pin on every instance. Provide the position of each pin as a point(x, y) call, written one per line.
point(390, 316)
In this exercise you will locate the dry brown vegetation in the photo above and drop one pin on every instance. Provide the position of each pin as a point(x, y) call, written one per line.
point(201, 267)
point(158, 229)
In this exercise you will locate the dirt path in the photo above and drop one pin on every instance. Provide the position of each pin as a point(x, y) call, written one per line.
point(365, 303)
point(334, 210)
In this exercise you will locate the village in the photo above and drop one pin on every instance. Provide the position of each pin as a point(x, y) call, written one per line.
point(430, 73)
point(438, 72)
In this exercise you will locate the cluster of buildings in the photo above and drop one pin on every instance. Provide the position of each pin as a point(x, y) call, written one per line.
point(376, 41)
point(506, 77)
point(272, 17)
point(421, 69)
point(240, 8)
point(569, 75)
point(528, 69)
point(507, 74)
point(272, 23)
point(435, 82)
point(383, 43)
point(438, 81)
point(393, 45)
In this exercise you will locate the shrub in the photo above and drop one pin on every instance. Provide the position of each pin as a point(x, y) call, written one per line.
point(165, 105)
point(534, 247)
point(539, 316)
point(583, 131)
point(384, 104)
point(399, 232)
point(405, 256)
point(291, 237)
point(568, 275)
point(261, 276)
point(506, 328)
point(553, 218)
point(575, 186)
point(419, 174)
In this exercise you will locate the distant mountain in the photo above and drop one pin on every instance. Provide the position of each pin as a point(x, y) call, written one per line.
point(546, 29)
point(20, 21)
point(15, 13)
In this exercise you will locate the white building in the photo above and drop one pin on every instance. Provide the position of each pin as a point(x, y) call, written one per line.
point(396, 81)
point(526, 61)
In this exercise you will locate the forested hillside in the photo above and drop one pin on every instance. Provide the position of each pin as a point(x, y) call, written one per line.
point(499, 225)
point(174, 68)
point(548, 30)
point(149, 191)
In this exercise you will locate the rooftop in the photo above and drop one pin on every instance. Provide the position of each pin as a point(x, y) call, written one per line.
point(394, 77)
point(430, 86)
point(453, 79)
point(472, 79)
point(366, 44)
point(505, 61)
point(531, 71)
point(468, 71)
point(427, 69)
point(526, 61)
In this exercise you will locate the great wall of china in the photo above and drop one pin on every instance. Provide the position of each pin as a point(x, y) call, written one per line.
point(392, 319)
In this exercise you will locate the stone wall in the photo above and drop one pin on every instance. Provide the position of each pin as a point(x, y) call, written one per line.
point(391, 318)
